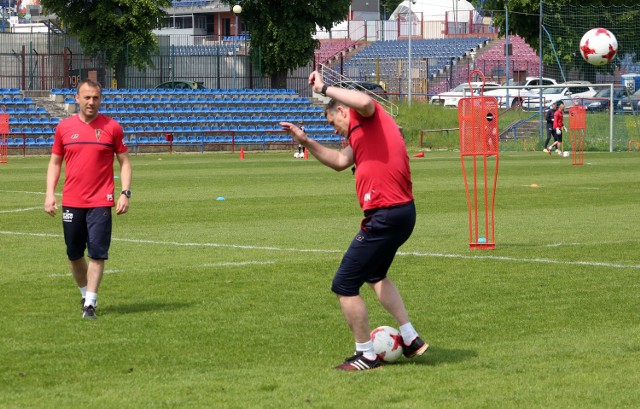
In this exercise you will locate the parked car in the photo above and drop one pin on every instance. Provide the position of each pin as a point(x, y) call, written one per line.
point(181, 85)
point(629, 102)
point(522, 94)
point(601, 100)
point(451, 98)
point(373, 87)
point(551, 95)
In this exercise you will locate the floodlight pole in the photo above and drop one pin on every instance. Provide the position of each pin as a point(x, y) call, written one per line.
point(237, 9)
point(540, 108)
point(410, 34)
point(506, 50)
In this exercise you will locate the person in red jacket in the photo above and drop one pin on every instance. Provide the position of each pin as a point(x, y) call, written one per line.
point(384, 188)
point(87, 142)
point(558, 126)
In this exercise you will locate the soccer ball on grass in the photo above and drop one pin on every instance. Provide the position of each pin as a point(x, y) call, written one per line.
point(598, 46)
point(387, 343)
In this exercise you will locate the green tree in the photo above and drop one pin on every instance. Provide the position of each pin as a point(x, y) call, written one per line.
point(388, 6)
point(119, 31)
point(281, 32)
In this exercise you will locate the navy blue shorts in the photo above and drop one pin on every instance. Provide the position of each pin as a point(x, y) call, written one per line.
point(87, 228)
point(372, 250)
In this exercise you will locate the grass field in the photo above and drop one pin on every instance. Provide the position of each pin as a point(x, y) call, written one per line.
point(226, 303)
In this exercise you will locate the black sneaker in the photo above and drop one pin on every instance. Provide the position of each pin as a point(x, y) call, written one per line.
point(82, 303)
point(417, 347)
point(358, 362)
point(89, 312)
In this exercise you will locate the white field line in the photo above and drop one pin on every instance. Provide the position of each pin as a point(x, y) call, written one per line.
point(21, 191)
point(238, 263)
point(112, 271)
point(400, 253)
point(26, 209)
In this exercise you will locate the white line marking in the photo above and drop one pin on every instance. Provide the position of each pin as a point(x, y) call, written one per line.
point(22, 210)
point(238, 263)
point(105, 272)
point(400, 253)
point(26, 192)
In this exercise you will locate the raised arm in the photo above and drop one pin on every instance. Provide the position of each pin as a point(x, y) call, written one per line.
point(351, 98)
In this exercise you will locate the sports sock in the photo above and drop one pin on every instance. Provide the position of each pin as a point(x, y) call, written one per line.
point(408, 333)
point(83, 291)
point(367, 349)
point(90, 299)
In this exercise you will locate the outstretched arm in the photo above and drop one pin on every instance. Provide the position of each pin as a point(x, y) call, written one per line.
point(337, 160)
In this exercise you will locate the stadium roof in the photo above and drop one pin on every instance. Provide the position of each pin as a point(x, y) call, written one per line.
point(431, 10)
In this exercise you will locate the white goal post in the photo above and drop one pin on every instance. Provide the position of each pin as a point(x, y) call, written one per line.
point(530, 100)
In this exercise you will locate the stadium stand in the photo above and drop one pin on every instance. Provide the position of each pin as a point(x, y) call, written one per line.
point(200, 117)
point(332, 48)
point(524, 58)
point(439, 53)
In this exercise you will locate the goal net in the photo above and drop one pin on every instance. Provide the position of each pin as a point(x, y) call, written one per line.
point(562, 29)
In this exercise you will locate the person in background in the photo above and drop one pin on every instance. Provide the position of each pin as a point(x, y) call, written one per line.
point(384, 189)
point(558, 125)
point(87, 143)
point(550, 131)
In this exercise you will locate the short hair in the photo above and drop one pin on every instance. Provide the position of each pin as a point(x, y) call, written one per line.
point(331, 106)
point(91, 83)
point(560, 103)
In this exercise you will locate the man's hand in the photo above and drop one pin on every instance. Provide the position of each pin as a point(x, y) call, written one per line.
point(50, 205)
point(123, 205)
point(298, 134)
point(315, 80)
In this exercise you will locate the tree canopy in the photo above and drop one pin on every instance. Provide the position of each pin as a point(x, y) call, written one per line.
point(282, 32)
point(120, 31)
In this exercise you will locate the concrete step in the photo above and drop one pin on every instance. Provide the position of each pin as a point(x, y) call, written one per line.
point(54, 108)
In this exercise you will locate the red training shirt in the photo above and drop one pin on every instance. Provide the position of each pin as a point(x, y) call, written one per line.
point(88, 151)
point(383, 177)
point(557, 119)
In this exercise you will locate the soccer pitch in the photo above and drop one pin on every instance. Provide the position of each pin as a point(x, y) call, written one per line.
point(211, 303)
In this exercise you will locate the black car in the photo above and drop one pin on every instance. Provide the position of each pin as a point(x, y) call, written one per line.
point(629, 102)
point(181, 85)
point(361, 86)
point(600, 101)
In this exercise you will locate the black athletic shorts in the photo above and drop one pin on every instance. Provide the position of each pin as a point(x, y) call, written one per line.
point(87, 228)
point(372, 250)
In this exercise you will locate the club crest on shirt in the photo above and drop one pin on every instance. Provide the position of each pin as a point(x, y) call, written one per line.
point(98, 134)
point(75, 136)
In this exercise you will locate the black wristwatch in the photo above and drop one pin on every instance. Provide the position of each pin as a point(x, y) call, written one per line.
point(324, 90)
point(127, 193)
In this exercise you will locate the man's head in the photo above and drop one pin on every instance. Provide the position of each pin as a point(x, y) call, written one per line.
point(554, 105)
point(88, 98)
point(560, 105)
point(338, 116)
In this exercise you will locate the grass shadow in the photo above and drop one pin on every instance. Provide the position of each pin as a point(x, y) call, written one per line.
point(135, 308)
point(438, 356)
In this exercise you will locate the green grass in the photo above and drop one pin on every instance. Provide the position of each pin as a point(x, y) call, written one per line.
point(226, 303)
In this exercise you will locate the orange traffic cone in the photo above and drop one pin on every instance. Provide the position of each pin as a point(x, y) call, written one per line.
point(419, 155)
point(306, 154)
point(241, 153)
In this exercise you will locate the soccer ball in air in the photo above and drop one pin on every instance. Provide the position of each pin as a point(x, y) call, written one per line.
point(598, 46)
point(387, 343)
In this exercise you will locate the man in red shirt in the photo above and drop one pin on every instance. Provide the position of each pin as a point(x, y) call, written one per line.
point(384, 189)
point(87, 143)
